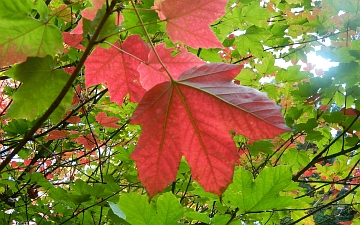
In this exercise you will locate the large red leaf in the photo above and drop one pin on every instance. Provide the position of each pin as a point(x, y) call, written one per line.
point(193, 117)
point(188, 20)
point(153, 73)
point(118, 69)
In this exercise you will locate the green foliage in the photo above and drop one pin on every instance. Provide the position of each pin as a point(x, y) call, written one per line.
point(24, 36)
point(71, 167)
point(167, 209)
point(41, 84)
point(263, 193)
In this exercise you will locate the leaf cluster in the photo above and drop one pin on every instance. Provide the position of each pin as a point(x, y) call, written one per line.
point(179, 112)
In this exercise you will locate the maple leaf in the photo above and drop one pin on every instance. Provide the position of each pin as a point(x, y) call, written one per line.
point(153, 73)
point(63, 12)
point(193, 117)
point(188, 21)
point(23, 37)
point(107, 121)
point(42, 83)
point(117, 67)
point(88, 141)
point(56, 134)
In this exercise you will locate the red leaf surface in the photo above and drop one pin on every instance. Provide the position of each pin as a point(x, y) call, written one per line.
point(118, 69)
point(90, 13)
point(107, 121)
point(56, 134)
point(73, 40)
point(193, 117)
point(78, 29)
point(350, 111)
point(188, 20)
point(74, 119)
point(153, 73)
point(89, 142)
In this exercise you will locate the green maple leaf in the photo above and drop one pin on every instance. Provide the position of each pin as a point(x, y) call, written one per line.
point(263, 193)
point(267, 65)
point(251, 41)
point(255, 14)
point(22, 37)
point(292, 74)
point(24, 7)
point(139, 211)
point(41, 85)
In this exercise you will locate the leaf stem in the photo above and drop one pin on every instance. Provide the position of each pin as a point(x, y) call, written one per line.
point(151, 44)
point(125, 52)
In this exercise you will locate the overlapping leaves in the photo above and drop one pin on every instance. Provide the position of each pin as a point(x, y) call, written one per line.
point(41, 84)
point(23, 36)
point(186, 107)
point(189, 114)
point(183, 122)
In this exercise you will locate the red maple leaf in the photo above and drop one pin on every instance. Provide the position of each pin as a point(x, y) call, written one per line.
point(350, 111)
point(56, 134)
point(188, 20)
point(89, 142)
point(193, 117)
point(74, 119)
point(117, 67)
point(73, 40)
point(153, 73)
point(107, 121)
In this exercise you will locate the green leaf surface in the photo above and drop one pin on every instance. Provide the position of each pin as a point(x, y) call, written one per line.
point(78, 199)
point(255, 14)
point(137, 209)
point(132, 22)
point(292, 74)
point(261, 194)
point(260, 146)
point(247, 77)
point(21, 7)
point(22, 37)
point(202, 217)
point(41, 85)
point(210, 55)
point(117, 211)
point(169, 210)
point(251, 41)
point(109, 28)
point(17, 127)
point(267, 65)
point(298, 159)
